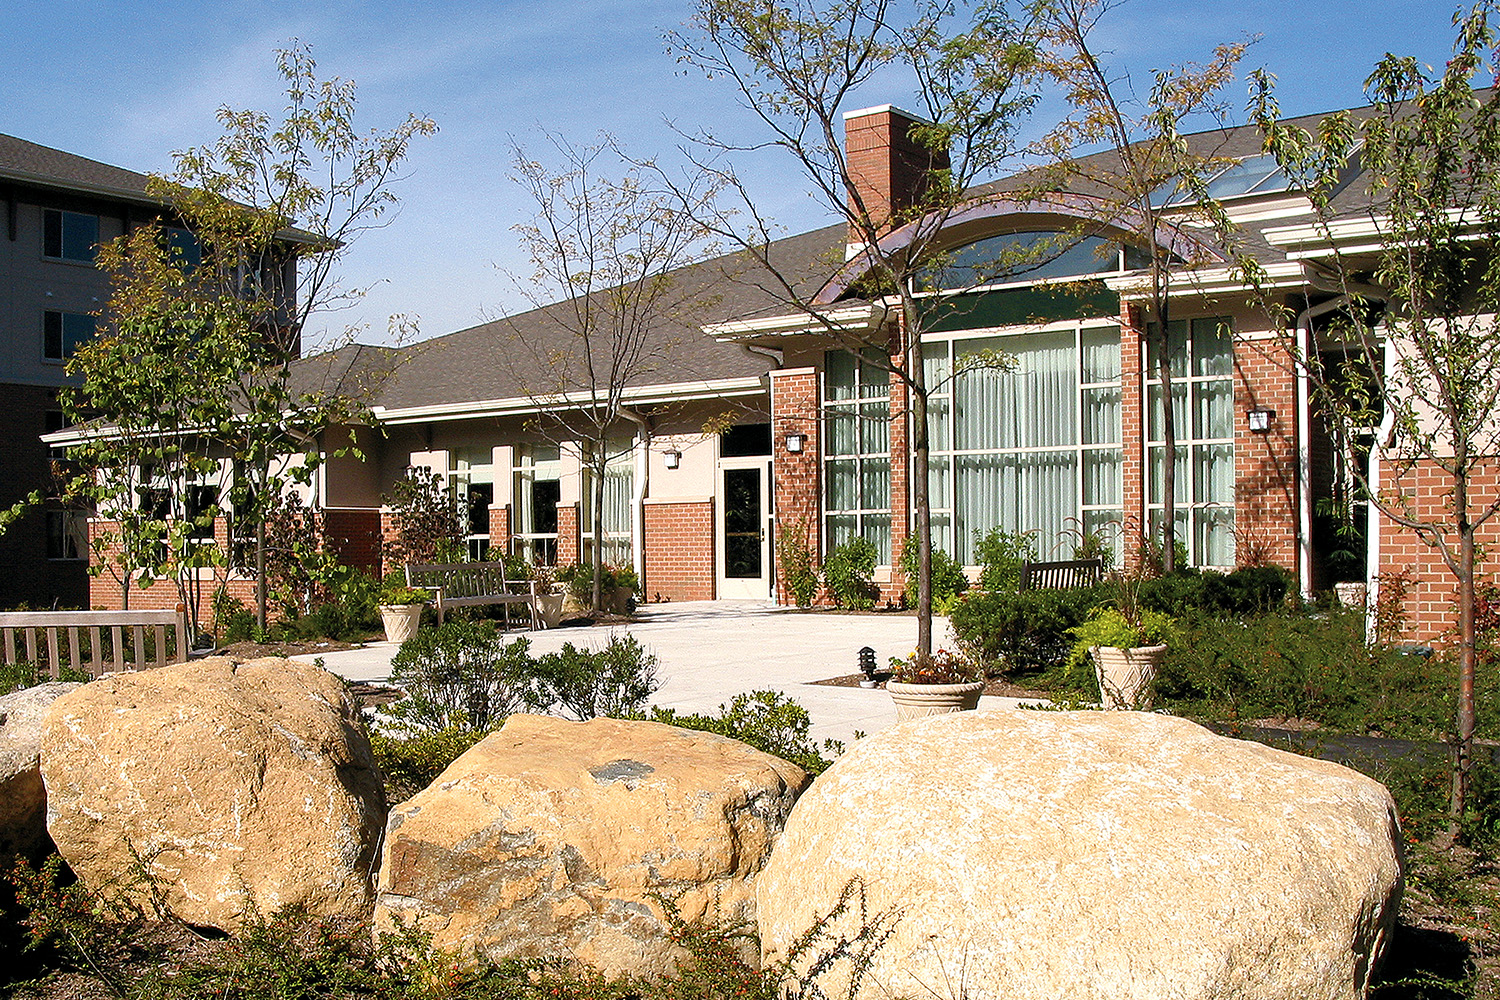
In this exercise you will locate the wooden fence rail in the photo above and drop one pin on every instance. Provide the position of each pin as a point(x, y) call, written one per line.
point(94, 641)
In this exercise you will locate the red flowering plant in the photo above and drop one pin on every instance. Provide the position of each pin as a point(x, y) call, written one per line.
point(942, 667)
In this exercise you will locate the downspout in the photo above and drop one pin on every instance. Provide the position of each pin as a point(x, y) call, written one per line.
point(638, 495)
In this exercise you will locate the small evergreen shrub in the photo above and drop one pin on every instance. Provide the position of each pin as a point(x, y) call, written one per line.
point(848, 572)
point(1247, 591)
point(1021, 631)
point(767, 720)
point(948, 579)
point(462, 674)
point(412, 760)
point(614, 681)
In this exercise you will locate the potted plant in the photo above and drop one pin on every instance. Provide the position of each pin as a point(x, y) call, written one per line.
point(946, 682)
point(401, 610)
point(1127, 647)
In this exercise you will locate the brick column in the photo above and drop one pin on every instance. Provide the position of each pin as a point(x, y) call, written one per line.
point(1266, 495)
point(568, 542)
point(500, 528)
point(901, 504)
point(794, 410)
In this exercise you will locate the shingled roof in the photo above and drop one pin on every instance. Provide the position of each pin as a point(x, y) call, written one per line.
point(481, 363)
point(24, 162)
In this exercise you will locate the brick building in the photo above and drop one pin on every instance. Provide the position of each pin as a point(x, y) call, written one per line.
point(1066, 445)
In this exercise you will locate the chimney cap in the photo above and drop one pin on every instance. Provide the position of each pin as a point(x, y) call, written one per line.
point(883, 108)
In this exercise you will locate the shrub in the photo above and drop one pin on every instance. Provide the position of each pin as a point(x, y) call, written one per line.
point(1246, 591)
point(1307, 666)
point(24, 674)
point(1021, 630)
point(795, 559)
point(767, 720)
point(1001, 554)
point(579, 578)
point(461, 674)
point(848, 573)
point(232, 620)
point(614, 681)
point(948, 579)
point(412, 761)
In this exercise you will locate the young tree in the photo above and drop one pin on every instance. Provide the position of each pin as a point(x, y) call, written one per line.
point(797, 64)
point(257, 225)
point(1147, 181)
point(603, 252)
point(1421, 308)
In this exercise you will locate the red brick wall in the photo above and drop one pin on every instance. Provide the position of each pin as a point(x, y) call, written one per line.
point(794, 406)
point(679, 550)
point(354, 535)
point(1266, 497)
point(499, 530)
point(900, 478)
point(568, 541)
point(106, 592)
point(1432, 602)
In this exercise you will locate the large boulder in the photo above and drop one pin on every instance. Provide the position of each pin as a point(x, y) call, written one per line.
point(1089, 854)
point(23, 800)
point(554, 838)
point(243, 787)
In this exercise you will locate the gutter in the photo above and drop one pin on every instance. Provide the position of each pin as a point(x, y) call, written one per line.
point(713, 388)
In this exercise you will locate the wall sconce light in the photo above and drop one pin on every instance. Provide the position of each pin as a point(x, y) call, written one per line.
point(794, 443)
point(1260, 420)
point(672, 457)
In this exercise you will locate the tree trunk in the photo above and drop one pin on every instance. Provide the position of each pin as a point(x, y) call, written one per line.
point(921, 501)
point(1463, 745)
point(1168, 431)
point(598, 528)
point(262, 597)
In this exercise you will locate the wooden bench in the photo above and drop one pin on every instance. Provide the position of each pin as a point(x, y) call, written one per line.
point(471, 584)
point(1061, 575)
point(93, 641)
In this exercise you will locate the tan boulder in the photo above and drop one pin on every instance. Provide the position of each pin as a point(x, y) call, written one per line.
point(239, 784)
point(555, 838)
point(23, 800)
point(1055, 855)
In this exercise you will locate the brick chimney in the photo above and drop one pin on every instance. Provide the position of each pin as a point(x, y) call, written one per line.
point(888, 168)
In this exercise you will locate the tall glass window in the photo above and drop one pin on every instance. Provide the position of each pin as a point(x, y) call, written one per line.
point(1201, 357)
point(1032, 449)
point(619, 490)
point(857, 451)
point(473, 476)
point(538, 473)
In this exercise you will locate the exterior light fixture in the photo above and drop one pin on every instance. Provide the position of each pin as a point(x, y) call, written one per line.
point(672, 457)
point(794, 443)
point(1260, 420)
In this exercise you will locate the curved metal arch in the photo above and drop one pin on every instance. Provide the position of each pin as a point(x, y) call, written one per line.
point(1079, 208)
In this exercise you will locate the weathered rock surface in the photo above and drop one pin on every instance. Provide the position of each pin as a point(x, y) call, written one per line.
point(1092, 854)
point(240, 784)
point(554, 838)
point(23, 800)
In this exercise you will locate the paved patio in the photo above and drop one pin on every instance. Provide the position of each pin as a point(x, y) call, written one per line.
point(709, 651)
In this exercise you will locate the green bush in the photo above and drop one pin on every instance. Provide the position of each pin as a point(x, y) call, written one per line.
point(24, 674)
point(411, 761)
point(1308, 666)
point(614, 681)
point(767, 720)
point(795, 560)
point(1247, 591)
point(1015, 631)
point(848, 571)
point(948, 579)
point(462, 674)
point(1001, 554)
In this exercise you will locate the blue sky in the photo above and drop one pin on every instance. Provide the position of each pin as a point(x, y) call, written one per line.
point(129, 82)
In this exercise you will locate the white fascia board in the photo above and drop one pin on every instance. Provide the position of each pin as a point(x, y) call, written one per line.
point(678, 391)
point(1351, 234)
point(852, 319)
point(1216, 280)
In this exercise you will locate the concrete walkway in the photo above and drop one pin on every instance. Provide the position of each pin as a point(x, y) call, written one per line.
point(709, 651)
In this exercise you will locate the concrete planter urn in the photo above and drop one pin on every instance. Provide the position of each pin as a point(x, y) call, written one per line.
point(549, 609)
point(1351, 595)
point(1124, 675)
point(400, 620)
point(914, 701)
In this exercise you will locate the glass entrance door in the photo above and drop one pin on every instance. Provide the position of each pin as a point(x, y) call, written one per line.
point(744, 555)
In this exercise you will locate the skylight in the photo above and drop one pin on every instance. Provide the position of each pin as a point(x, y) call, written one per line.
point(1251, 175)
